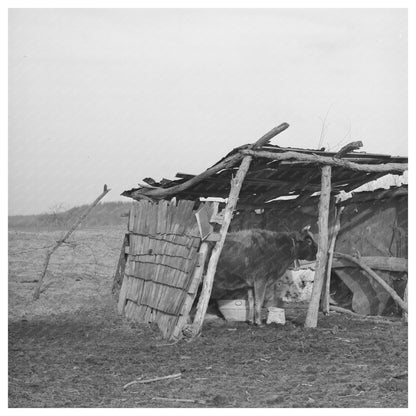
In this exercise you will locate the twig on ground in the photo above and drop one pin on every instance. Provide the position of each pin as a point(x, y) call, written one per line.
point(343, 339)
point(400, 375)
point(168, 399)
point(353, 395)
point(151, 380)
point(374, 319)
point(166, 345)
point(131, 383)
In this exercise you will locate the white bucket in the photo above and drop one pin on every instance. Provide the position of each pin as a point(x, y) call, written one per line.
point(234, 310)
point(276, 315)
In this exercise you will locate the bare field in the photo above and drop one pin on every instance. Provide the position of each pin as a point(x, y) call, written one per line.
point(70, 349)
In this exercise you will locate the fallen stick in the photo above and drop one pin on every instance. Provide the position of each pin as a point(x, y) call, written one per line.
point(166, 345)
point(151, 380)
point(377, 278)
point(364, 317)
point(400, 375)
point(168, 399)
point(131, 383)
point(36, 292)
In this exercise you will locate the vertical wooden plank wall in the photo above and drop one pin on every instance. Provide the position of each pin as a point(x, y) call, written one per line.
point(161, 272)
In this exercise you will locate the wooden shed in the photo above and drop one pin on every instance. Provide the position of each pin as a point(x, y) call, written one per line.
point(171, 224)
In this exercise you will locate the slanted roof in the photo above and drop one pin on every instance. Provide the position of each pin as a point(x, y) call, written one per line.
point(269, 179)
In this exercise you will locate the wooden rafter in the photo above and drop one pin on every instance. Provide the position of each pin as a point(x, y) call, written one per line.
point(329, 161)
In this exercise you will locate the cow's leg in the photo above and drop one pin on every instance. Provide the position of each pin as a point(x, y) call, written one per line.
point(259, 294)
point(250, 299)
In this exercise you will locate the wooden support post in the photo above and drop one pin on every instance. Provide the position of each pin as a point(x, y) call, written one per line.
point(377, 278)
point(321, 257)
point(236, 184)
point(334, 233)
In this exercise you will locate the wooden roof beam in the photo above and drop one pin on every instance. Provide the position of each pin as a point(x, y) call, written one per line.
point(328, 160)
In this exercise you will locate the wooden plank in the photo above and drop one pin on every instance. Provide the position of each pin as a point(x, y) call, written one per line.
point(122, 296)
point(153, 224)
point(192, 291)
point(392, 264)
point(128, 309)
point(140, 288)
point(138, 221)
point(130, 226)
point(136, 313)
point(169, 214)
point(121, 265)
point(377, 278)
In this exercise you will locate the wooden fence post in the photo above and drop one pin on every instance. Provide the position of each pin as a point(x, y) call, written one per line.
point(321, 257)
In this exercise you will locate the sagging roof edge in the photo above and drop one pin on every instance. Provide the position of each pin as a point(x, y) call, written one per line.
point(360, 161)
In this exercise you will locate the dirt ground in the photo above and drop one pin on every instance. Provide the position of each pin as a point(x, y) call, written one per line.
point(70, 349)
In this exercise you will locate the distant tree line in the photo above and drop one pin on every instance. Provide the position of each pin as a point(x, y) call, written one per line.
point(104, 214)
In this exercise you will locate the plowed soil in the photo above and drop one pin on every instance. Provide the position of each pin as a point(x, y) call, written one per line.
point(70, 349)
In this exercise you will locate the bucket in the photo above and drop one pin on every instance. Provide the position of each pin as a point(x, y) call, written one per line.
point(276, 315)
point(234, 309)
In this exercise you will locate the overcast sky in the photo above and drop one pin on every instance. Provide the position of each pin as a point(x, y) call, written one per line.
point(112, 96)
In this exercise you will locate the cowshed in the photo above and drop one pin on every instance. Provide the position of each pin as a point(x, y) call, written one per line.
point(172, 223)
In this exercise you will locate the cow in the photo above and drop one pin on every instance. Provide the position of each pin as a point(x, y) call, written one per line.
point(254, 259)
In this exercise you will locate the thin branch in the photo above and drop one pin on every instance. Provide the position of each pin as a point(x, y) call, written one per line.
point(36, 292)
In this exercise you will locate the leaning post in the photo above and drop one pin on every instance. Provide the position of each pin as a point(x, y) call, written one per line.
point(335, 228)
point(236, 184)
point(321, 257)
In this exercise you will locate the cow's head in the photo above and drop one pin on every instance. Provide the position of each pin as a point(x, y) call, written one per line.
point(306, 247)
